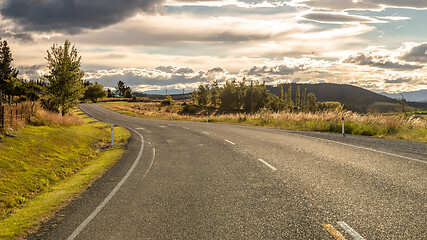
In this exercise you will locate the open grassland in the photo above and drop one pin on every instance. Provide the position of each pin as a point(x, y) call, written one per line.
point(411, 127)
point(48, 163)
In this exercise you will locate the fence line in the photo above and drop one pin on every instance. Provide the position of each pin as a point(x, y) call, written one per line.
point(12, 115)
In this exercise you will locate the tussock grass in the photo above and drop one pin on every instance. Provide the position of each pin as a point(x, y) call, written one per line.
point(43, 167)
point(42, 117)
point(411, 127)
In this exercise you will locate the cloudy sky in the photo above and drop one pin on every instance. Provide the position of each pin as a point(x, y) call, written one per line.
point(154, 45)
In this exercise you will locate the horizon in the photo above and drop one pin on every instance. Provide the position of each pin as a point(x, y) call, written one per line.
point(153, 45)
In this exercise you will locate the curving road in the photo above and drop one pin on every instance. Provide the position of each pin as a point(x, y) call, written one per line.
point(189, 180)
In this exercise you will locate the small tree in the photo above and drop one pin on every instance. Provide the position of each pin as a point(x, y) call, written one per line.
point(65, 86)
point(402, 103)
point(94, 92)
point(311, 102)
point(203, 95)
point(121, 88)
point(110, 94)
point(128, 93)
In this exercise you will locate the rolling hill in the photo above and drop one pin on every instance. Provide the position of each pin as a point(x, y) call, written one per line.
point(354, 98)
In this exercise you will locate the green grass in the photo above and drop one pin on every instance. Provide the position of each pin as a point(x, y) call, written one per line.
point(44, 167)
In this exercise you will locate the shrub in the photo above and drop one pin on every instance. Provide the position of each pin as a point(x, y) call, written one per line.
point(168, 101)
point(189, 109)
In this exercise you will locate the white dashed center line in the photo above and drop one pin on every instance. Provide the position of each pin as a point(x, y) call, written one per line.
point(267, 164)
point(205, 132)
point(186, 128)
point(355, 235)
point(230, 142)
point(140, 128)
point(162, 126)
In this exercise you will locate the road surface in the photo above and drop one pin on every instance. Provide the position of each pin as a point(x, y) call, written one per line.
point(192, 180)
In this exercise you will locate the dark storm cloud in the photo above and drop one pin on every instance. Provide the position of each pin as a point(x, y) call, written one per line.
point(30, 72)
point(399, 80)
point(20, 36)
point(379, 61)
point(336, 18)
point(417, 53)
point(72, 16)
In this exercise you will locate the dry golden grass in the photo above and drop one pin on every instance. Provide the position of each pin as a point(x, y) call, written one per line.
point(41, 116)
point(396, 126)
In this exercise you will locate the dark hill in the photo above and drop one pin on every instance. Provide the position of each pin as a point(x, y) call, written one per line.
point(354, 98)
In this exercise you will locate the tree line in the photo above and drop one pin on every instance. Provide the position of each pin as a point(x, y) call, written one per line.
point(62, 88)
point(253, 96)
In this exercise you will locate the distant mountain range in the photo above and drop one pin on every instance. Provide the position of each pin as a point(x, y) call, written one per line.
point(416, 96)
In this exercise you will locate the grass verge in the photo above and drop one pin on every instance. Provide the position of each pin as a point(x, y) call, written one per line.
point(45, 167)
point(409, 126)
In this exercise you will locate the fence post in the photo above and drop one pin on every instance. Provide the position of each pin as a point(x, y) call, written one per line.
point(11, 112)
point(16, 112)
point(343, 125)
point(112, 135)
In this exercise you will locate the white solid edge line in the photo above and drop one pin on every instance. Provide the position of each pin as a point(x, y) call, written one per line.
point(230, 141)
point(112, 193)
point(267, 164)
point(365, 148)
point(355, 235)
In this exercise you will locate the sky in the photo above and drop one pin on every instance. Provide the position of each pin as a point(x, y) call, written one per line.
point(176, 45)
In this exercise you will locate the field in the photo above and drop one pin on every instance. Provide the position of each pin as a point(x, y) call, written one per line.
point(411, 127)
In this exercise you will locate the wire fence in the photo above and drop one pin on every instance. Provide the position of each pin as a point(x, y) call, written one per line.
point(13, 115)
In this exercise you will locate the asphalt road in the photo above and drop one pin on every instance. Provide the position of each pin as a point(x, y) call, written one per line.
point(187, 180)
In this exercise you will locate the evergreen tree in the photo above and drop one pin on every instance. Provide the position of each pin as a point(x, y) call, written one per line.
point(215, 94)
point(241, 91)
point(203, 95)
point(256, 97)
point(289, 102)
point(109, 93)
point(304, 100)
point(281, 91)
point(121, 88)
point(311, 102)
point(65, 86)
point(297, 99)
point(128, 93)
point(228, 96)
point(7, 72)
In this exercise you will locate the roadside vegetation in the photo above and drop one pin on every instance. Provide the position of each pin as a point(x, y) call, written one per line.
point(49, 151)
point(49, 162)
point(402, 126)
